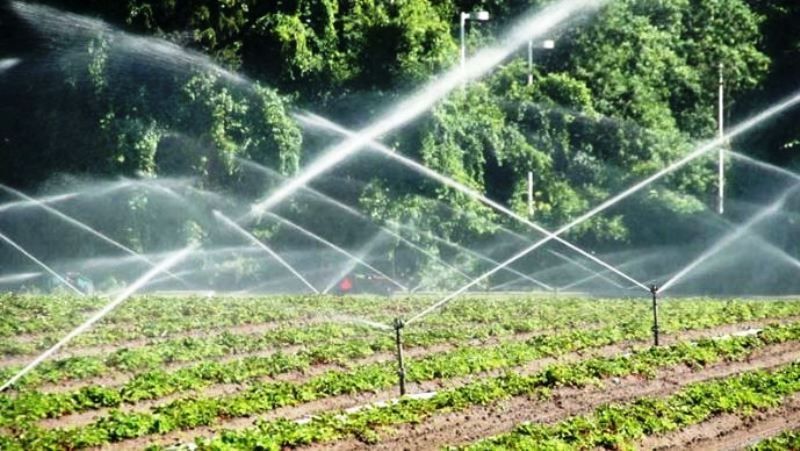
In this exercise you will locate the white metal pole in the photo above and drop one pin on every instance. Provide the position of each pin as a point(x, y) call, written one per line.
point(530, 62)
point(464, 17)
point(721, 162)
point(530, 193)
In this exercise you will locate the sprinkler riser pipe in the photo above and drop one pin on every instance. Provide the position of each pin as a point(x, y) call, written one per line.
point(401, 368)
point(654, 292)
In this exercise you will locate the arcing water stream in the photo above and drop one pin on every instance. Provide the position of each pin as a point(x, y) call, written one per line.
point(8, 63)
point(64, 29)
point(480, 256)
point(159, 268)
point(698, 152)
point(763, 164)
point(38, 262)
point(425, 171)
point(530, 28)
point(352, 263)
point(21, 277)
point(336, 248)
point(83, 226)
point(43, 200)
point(229, 222)
point(583, 267)
point(357, 214)
point(730, 238)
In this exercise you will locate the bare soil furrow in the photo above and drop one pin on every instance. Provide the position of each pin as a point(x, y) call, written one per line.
point(349, 401)
point(730, 432)
point(480, 422)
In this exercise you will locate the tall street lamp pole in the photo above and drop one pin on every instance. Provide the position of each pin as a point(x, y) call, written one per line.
point(480, 16)
point(547, 44)
point(721, 123)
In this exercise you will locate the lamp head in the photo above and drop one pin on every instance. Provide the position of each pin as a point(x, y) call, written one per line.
point(482, 16)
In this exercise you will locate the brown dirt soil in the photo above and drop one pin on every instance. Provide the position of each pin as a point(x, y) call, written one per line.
point(344, 402)
point(730, 432)
point(480, 422)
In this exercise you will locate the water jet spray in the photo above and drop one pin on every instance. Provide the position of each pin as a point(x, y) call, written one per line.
point(355, 213)
point(728, 239)
point(50, 271)
point(702, 150)
point(83, 226)
point(161, 267)
point(583, 267)
point(351, 264)
point(478, 255)
point(44, 200)
point(8, 63)
point(66, 28)
point(229, 222)
point(21, 277)
point(336, 248)
point(532, 27)
point(763, 164)
point(319, 121)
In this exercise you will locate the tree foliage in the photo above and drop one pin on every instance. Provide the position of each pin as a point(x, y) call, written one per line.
point(624, 93)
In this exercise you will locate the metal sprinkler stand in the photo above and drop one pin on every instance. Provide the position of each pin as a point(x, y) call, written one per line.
point(401, 368)
point(654, 292)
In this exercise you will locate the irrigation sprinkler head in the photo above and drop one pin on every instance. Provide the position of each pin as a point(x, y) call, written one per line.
point(656, 331)
point(398, 324)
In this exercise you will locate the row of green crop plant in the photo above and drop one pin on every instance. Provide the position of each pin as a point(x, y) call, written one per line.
point(199, 411)
point(620, 426)
point(26, 314)
point(154, 317)
point(145, 310)
point(359, 340)
point(159, 315)
point(366, 424)
point(787, 440)
point(174, 315)
point(155, 383)
point(33, 405)
point(339, 342)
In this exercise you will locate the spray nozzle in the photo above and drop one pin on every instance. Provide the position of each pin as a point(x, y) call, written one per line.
point(399, 324)
point(654, 289)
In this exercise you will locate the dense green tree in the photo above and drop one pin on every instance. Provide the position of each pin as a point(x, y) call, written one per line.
point(624, 93)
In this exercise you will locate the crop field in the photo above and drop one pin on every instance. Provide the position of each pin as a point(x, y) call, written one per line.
point(487, 372)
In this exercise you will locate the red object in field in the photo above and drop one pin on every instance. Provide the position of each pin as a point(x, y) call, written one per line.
point(345, 285)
